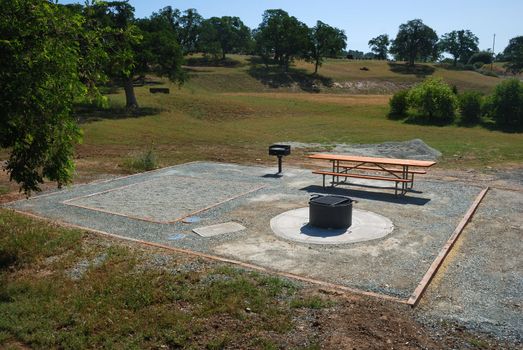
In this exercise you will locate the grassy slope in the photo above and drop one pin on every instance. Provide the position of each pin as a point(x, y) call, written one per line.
point(225, 114)
point(239, 79)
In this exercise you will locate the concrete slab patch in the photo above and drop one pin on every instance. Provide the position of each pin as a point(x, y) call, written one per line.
point(293, 225)
point(158, 200)
point(218, 229)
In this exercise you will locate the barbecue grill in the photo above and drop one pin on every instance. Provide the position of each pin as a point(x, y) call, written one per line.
point(330, 212)
point(279, 151)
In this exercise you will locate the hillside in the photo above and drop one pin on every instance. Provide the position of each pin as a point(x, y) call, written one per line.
point(245, 73)
point(232, 113)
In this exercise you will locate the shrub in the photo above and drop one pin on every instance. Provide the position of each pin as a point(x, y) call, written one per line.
point(478, 65)
point(482, 56)
point(489, 73)
point(506, 104)
point(470, 107)
point(398, 104)
point(433, 100)
point(145, 161)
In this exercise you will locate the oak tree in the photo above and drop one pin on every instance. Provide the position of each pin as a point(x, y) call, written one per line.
point(223, 35)
point(380, 46)
point(281, 37)
point(415, 41)
point(461, 44)
point(325, 41)
point(513, 53)
point(46, 62)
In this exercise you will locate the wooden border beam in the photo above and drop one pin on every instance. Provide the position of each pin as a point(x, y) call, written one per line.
point(436, 264)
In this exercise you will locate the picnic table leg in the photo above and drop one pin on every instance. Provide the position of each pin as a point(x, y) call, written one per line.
point(333, 170)
point(404, 185)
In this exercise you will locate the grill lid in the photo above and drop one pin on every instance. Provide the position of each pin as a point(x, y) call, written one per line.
point(331, 200)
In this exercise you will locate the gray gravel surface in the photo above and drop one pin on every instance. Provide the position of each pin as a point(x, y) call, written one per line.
point(481, 284)
point(413, 149)
point(423, 221)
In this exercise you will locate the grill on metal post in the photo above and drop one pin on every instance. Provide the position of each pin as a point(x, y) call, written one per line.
point(279, 151)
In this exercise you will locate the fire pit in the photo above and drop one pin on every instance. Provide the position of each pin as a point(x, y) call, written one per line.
point(330, 212)
point(279, 151)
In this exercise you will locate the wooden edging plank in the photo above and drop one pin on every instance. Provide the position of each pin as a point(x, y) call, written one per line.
point(325, 285)
point(431, 272)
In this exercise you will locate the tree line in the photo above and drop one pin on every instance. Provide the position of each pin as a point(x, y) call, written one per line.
point(416, 41)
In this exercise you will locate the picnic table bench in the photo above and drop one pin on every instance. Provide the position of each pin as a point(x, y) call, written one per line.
point(394, 170)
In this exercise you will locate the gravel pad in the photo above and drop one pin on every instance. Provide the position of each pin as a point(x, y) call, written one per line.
point(393, 265)
point(159, 199)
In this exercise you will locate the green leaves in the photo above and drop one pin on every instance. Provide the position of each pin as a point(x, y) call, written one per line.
point(281, 37)
point(505, 105)
point(415, 41)
point(41, 73)
point(380, 46)
point(325, 41)
point(433, 100)
point(514, 54)
point(223, 35)
point(461, 44)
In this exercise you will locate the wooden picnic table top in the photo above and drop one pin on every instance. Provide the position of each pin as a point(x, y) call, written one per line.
point(391, 161)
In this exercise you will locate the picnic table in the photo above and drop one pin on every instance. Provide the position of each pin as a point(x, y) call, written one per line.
point(399, 171)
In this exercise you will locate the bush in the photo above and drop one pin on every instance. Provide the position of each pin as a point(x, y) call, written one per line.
point(506, 104)
point(482, 56)
point(478, 65)
point(145, 161)
point(433, 100)
point(488, 73)
point(398, 105)
point(470, 107)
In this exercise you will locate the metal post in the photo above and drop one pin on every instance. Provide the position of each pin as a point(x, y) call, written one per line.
point(493, 54)
point(279, 164)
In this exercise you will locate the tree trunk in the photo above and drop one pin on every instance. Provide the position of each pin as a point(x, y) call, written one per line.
point(317, 63)
point(412, 58)
point(223, 55)
point(130, 97)
point(455, 61)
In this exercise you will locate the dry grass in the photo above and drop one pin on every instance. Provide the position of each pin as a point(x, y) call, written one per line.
point(340, 99)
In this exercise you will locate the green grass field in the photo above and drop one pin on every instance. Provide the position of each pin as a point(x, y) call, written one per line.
point(225, 114)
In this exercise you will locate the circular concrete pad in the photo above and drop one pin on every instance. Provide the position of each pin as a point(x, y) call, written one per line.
point(294, 225)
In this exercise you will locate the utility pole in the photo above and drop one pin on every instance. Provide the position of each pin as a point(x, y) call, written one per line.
point(493, 43)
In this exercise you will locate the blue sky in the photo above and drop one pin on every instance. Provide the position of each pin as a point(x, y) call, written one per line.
point(363, 20)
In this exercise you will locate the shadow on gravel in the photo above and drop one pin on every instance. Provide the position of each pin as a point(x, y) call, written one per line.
point(368, 195)
point(272, 176)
